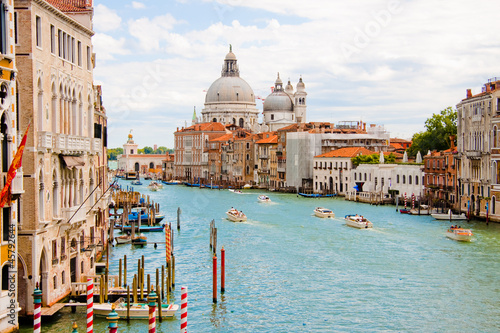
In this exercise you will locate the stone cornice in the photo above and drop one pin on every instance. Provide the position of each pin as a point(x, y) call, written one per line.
point(63, 16)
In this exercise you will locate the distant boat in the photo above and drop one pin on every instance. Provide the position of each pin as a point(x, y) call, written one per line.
point(323, 212)
point(236, 215)
point(404, 211)
point(172, 182)
point(136, 182)
point(315, 195)
point(235, 191)
point(449, 216)
point(131, 175)
point(192, 185)
point(263, 198)
point(143, 228)
point(359, 222)
point(459, 234)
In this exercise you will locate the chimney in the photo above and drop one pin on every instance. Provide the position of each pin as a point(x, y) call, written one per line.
point(488, 88)
point(452, 142)
point(364, 127)
point(469, 93)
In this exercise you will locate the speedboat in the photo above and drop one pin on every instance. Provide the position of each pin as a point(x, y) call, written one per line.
point(153, 187)
point(357, 221)
point(247, 186)
point(404, 211)
point(264, 198)
point(235, 191)
point(236, 215)
point(136, 182)
point(323, 212)
point(137, 310)
point(459, 234)
point(449, 216)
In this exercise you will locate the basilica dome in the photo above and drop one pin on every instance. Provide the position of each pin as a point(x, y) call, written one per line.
point(278, 100)
point(230, 89)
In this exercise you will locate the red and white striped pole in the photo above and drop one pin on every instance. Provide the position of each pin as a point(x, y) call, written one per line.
point(90, 305)
point(184, 309)
point(37, 313)
point(405, 200)
point(152, 311)
point(412, 200)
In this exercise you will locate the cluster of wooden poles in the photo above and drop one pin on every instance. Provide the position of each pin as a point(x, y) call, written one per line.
point(213, 247)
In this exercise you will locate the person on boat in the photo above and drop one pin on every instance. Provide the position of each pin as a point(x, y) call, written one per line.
point(362, 219)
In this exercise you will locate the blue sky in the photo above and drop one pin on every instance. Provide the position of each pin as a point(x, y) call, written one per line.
point(392, 63)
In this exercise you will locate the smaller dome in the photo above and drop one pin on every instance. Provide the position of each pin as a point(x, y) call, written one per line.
point(289, 88)
point(301, 85)
point(130, 136)
point(278, 80)
point(230, 56)
point(278, 101)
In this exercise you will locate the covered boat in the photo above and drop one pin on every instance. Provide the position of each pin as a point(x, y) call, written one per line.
point(137, 310)
point(236, 215)
point(127, 239)
point(323, 212)
point(421, 210)
point(449, 216)
point(358, 221)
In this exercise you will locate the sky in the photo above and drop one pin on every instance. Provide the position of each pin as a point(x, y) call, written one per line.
point(387, 62)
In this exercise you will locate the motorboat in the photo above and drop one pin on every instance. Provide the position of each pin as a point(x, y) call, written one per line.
point(137, 310)
point(404, 211)
point(134, 216)
point(459, 234)
point(236, 215)
point(315, 195)
point(143, 228)
point(153, 187)
point(423, 210)
point(357, 221)
point(235, 191)
point(172, 182)
point(246, 186)
point(323, 212)
point(449, 216)
point(136, 182)
point(263, 198)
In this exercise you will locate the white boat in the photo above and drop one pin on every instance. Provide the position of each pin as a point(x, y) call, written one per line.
point(459, 234)
point(357, 221)
point(424, 210)
point(153, 187)
point(235, 191)
point(264, 198)
point(323, 212)
point(449, 216)
point(247, 186)
point(236, 215)
point(137, 310)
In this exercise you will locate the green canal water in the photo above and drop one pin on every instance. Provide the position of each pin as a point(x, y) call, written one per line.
point(288, 271)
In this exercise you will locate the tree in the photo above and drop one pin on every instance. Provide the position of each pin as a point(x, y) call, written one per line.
point(147, 150)
point(161, 150)
point(372, 159)
point(439, 128)
point(114, 152)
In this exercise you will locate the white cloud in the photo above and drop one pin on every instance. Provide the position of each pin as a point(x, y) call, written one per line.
point(138, 5)
point(407, 65)
point(106, 19)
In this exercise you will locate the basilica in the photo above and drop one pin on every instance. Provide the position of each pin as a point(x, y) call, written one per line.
point(231, 100)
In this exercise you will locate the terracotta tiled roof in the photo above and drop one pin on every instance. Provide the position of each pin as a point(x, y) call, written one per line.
point(347, 152)
point(205, 127)
point(270, 139)
point(396, 145)
point(71, 5)
point(225, 137)
point(398, 140)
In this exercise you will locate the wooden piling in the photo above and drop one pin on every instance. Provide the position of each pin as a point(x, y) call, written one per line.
point(120, 272)
point(125, 270)
point(158, 280)
point(128, 304)
point(178, 218)
point(142, 284)
point(158, 293)
point(173, 271)
point(148, 285)
point(162, 281)
point(134, 288)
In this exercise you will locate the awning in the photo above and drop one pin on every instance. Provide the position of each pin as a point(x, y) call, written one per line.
point(73, 161)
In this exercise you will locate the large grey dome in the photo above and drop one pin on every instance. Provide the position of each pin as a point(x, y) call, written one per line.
point(278, 101)
point(230, 89)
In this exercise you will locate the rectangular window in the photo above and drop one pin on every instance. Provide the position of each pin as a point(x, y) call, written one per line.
point(65, 46)
point(38, 31)
point(3, 28)
point(73, 50)
point(59, 38)
point(15, 28)
point(54, 249)
point(89, 60)
point(5, 223)
point(79, 53)
point(52, 39)
point(63, 246)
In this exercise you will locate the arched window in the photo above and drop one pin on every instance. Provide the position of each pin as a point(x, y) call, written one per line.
point(54, 109)
point(55, 194)
point(248, 169)
point(214, 120)
point(5, 144)
point(404, 179)
point(40, 197)
point(242, 122)
point(151, 165)
point(409, 180)
point(136, 166)
point(234, 121)
point(397, 179)
point(493, 205)
point(416, 180)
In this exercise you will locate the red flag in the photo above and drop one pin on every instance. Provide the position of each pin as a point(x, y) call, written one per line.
point(16, 164)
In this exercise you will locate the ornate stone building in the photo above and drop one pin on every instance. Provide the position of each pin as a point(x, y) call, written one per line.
point(64, 214)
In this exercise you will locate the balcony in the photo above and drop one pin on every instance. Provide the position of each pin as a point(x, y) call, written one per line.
point(263, 170)
point(281, 169)
point(264, 156)
point(68, 144)
point(80, 216)
point(45, 140)
point(473, 154)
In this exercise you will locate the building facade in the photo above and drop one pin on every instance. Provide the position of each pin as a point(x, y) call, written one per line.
point(476, 144)
point(145, 164)
point(10, 134)
point(62, 227)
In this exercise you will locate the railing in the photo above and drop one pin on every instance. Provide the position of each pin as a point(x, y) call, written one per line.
point(68, 143)
point(264, 156)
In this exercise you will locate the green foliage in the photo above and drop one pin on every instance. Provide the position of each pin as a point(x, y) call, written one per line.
point(372, 159)
point(437, 135)
point(114, 152)
point(160, 150)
